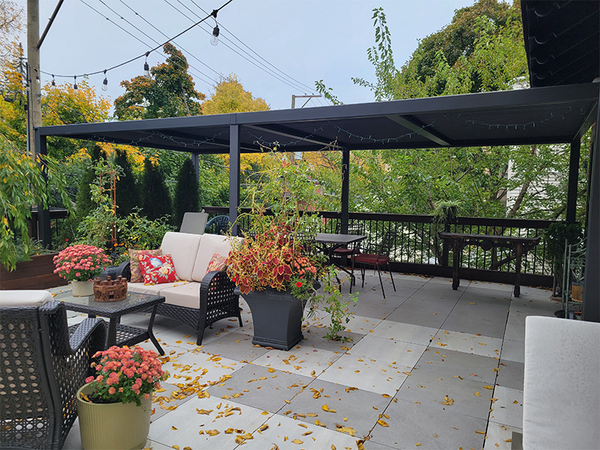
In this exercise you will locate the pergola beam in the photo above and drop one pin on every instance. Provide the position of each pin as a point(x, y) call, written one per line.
point(419, 127)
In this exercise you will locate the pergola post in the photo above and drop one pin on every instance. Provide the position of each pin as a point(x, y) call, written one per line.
point(591, 286)
point(234, 175)
point(196, 163)
point(345, 189)
point(43, 211)
point(573, 178)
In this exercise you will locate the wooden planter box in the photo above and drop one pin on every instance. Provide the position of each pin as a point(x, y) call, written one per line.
point(34, 274)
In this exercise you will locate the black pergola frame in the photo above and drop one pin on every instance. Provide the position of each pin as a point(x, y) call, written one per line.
point(547, 115)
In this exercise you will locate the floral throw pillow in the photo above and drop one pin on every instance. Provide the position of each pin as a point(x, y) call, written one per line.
point(217, 262)
point(158, 269)
point(136, 271)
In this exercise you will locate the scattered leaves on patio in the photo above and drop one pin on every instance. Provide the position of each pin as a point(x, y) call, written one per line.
point(448, 401)
point(342, 429)
point(477, 394)
point(383, 423)
point(319, 423)
point(488, 387)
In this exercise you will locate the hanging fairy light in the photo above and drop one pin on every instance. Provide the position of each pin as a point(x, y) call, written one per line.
point(53, 82)
point(215, 34)
point(105, 82)
point(75, 88)
point(147, 67)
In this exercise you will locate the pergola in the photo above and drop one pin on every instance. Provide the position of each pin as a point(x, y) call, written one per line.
point(555, 114)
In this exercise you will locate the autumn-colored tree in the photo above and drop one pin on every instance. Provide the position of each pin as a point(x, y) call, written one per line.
point(230, 97)
point(169, 92)
point(186, 192)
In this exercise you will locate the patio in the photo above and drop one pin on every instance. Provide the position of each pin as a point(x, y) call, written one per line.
point(443, 368)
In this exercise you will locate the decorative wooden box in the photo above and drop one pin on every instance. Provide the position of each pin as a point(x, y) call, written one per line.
point(110, 290)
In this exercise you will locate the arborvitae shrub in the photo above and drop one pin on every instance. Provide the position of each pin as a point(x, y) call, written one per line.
point(157, 202)
point(128, 196)
point(187, 198)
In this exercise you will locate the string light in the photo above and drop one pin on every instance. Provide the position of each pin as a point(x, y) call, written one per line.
point(75, 88)
point(215, 34)
point(105, 82)
point(153, 49)
point(53, 82)
point(147, 68)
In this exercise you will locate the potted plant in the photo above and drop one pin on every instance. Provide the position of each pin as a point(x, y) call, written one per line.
point(276, 275)
point(80, 264)
point(114, 406)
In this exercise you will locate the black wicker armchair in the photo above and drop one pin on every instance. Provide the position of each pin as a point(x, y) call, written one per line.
point(41, 371)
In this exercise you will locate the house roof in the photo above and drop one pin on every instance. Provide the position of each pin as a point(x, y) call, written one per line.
point(558, 114)
point(562, 41)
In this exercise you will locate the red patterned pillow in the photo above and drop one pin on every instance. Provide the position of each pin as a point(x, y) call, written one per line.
point(136, 271)
point(217, 262)
point(158, 269)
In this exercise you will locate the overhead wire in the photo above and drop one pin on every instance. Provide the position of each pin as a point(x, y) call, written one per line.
point(177, 63)
point(143, 54)
point(276, 76)
point(299, 83)
point(179, 45)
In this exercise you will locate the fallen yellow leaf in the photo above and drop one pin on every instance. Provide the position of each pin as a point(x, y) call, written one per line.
point(298, 441)
point(383, 423)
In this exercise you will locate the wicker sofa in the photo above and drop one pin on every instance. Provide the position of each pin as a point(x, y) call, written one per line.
point(200, 298)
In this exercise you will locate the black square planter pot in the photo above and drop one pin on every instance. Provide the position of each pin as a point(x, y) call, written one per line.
point(277, 318)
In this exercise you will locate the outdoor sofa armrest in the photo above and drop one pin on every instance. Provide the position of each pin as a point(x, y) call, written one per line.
point(217, 301)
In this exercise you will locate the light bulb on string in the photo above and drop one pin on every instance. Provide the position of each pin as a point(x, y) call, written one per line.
point(147, 67)
point(53, 82)
point(105, 82)
point(214, 40)
point(75, 88)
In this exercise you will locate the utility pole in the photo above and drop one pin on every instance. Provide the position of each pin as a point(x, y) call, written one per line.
point(294, 97)
point(298, 155)
point(33, 73)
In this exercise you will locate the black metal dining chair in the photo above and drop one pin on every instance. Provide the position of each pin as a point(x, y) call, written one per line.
point(377, 258)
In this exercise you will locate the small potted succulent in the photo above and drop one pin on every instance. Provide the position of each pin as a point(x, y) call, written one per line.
point(114, 406)
point(79, 264)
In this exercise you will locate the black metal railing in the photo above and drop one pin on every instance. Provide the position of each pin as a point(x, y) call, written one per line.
point(419, 249)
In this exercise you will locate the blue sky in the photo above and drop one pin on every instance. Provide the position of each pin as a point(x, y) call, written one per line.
point(307, 39)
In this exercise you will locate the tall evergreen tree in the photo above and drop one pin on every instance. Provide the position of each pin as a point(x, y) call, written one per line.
point(187, 197)
point(128, 196)
point(157, 202)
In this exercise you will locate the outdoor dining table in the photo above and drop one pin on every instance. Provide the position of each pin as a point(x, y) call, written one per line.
point(329, 242)
point(519, 245)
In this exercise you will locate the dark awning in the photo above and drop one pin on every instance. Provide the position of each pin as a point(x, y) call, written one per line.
point(562, 41)
point(530, 116)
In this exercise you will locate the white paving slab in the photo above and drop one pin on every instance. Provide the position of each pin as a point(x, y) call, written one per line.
point(468, 343)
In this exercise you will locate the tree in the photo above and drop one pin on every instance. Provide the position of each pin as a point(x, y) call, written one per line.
point(187, 198)
point(156, 201)
point(169, 93)
point(128, 196)
point(230, 97)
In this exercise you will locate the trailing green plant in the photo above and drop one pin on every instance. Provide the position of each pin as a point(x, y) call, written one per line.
point(139, 232)
point(333, 302)
point(100, 226)
point(23, 184)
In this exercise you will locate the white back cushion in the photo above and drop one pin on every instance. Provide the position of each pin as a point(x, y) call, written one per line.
point(183, 248)
point(561, 397)
point(24, 298)
point(210, 244)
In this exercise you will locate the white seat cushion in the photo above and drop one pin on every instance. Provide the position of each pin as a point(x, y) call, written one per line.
point(183, 248)
point(187, 295)
point(153, 289)
point(210, 244)
point(24, 298)
point(561, 398)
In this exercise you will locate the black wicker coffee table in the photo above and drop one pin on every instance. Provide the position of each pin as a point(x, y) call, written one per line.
point(118, 334)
